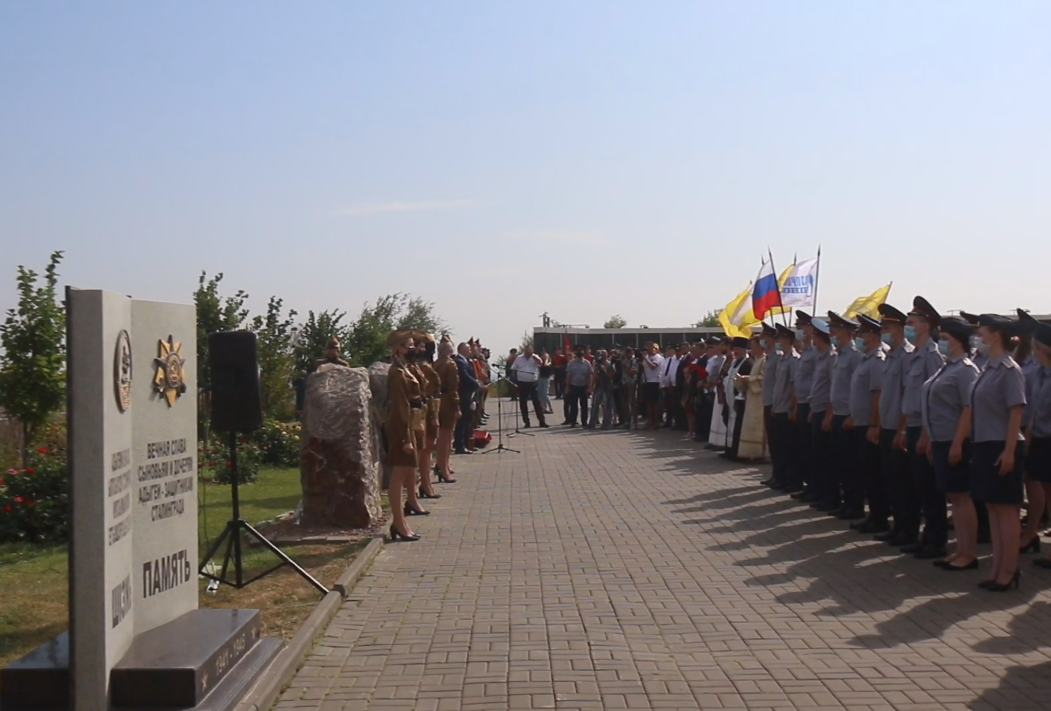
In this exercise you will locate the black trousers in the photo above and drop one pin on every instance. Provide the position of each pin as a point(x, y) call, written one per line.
point(577, 403)
point(560, 382)
point(932, 502)
point(823, 450)
point(901, 488)
point(735, 439)
point(528, 392)
point(870, 473)
point(772, 444)
point(785, 434)
point(703, 413)
point(804, 448)
point(847, 480)
point(464, 426)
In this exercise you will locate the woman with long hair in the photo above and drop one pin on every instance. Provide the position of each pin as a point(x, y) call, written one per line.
point(946, 437)
point(998, 447)
point(405, 404)
point(448, 408)
point(425, 348)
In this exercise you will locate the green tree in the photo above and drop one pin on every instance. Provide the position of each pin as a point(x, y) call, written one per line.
point(312, 335)
point(33, 363)
point(615, 321)
point(274, 333)
point(710, 320)
point(527, 340)
point(214, 313)
point(368, 334)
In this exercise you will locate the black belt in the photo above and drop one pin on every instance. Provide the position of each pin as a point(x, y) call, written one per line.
point(416, 404)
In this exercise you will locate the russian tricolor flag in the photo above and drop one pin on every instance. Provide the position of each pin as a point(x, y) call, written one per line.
point(765, 294)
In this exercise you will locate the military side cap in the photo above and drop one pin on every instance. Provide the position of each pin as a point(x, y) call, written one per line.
point(445, 338)
point(1026, 323)
point(820, 325)
point(712, 341)
point(803, 318)
point(740, 342)
point(396, 338)
point(769, 330)
point(957, 328)
point(868, 324)
point(890, 315)
point(423, 336)
point(921, 307)
point(969, 318)
point(1042, 334)
point(837, 321)
point(785, 332)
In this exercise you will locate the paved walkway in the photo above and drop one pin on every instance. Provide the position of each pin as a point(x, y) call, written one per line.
point(636, 571)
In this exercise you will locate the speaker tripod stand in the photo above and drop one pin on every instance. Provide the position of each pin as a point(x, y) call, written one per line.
point(231, 535)
point(500, 448)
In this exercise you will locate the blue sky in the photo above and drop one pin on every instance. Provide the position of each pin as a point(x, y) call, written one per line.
point(507, 159)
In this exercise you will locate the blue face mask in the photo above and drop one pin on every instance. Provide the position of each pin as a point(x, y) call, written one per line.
point(800, 334)
point(835, 341)
point(886, 339)
point(984, 348)
point(763, 344)
point(910, 335)
point(859, 344)
point(778, 348)
point(943, 348)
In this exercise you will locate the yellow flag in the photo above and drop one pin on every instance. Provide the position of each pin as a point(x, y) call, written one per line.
point(737, 316)
point(870, 304)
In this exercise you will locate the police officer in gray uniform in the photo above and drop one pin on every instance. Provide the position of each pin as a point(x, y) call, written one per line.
point(901, 489)
point(804, 381)
point(1034, 492)
point(921, 329)
point(844, 448)
point(820, 419)
point(1038, 427)
point(979, 360)
point(946, 421)
point(782, 432)
point(865, 389)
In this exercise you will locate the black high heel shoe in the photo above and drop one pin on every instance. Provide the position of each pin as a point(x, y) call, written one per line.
point(1032, 547)
point(410, 511)
point(1015, 582)
point(395, 534)
point(973, 565)
point(1042, 563)
point(442, 477)
point(425, 495)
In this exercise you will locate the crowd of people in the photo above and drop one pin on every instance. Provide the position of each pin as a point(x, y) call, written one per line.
point(889, 423)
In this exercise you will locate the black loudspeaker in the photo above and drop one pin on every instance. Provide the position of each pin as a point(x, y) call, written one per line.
point(237, 403)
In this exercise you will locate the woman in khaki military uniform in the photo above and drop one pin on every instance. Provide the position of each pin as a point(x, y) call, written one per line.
point(415, 356)
point(425, 348)
point(405, 407)
point(448, 407)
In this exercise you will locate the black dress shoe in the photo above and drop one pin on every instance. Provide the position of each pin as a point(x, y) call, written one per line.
point(827, 506)
point(849, 514)
point(792, 489)
point(871, 526)
point(809, 496)
point(858, 524)
point(885, 536)
point(912, 548)
point(930, 551)
point(903, 539)
point(1042, 563)
point(973, 565)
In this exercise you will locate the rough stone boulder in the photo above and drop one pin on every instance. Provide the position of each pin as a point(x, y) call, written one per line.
point(339, 460)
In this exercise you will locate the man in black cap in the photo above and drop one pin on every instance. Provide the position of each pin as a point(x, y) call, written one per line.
point(865, 390)
point(741, 366)
point(844, 444)
point(926, 360)
point(902, 493)
point(800, 415)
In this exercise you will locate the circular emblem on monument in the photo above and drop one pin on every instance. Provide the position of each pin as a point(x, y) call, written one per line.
point(122, 371)
point(169, 380)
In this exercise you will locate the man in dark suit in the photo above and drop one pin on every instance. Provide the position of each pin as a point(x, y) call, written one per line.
point(468, 387)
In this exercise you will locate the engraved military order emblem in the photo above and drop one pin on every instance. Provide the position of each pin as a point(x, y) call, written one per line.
point(122, 371)
point(169, 381)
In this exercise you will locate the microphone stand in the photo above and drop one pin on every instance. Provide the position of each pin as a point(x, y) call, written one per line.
point(500, 448)
point(518, 411)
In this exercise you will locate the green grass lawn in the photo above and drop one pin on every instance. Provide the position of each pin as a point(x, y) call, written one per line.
point(34, 579)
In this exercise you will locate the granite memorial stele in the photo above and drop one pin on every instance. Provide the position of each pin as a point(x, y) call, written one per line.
point(136, 638)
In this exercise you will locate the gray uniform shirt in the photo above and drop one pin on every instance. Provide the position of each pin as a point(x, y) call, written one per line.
point(805, 374)
point(1030, 369)
point(980, 360)
point(868, 379)
point(787, 371)
point(921, 366)
point(847, 359)
point(822, 388)
point(715, 366)
point(893, 384)
point(945, 395)
point(1041, 403)
point(1000, 387)
point(773, 362)
point(578, 373)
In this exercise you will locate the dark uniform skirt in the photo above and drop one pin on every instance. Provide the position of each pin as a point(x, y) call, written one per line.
point(986, 482)
point(951, 479)
point(1038, 463)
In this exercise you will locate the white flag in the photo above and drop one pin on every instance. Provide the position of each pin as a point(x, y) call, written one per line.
point(798, 287)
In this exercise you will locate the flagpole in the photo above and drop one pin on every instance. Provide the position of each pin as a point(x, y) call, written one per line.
point(784, 319)
point(817, 279)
